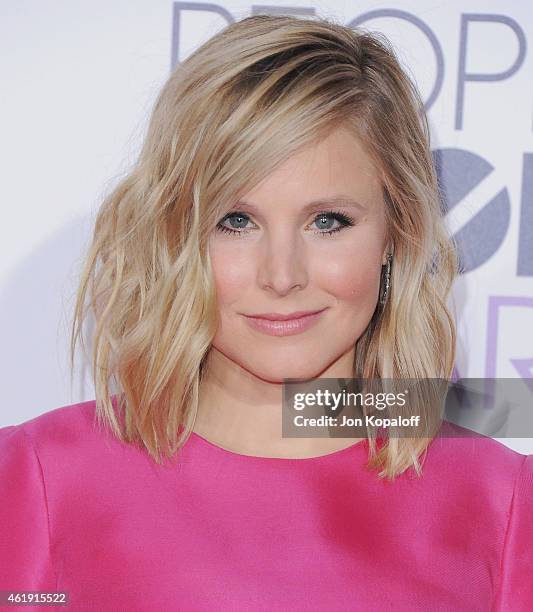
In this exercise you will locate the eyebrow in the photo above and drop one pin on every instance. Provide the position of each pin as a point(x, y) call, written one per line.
point(337, 200)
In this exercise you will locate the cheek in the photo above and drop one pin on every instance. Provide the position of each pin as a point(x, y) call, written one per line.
point(233, 272)
point(352, 276)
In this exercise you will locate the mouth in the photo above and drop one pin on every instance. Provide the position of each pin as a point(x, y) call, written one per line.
point(275, 324)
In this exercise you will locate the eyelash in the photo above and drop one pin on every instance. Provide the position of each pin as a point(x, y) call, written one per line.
point(345, 220)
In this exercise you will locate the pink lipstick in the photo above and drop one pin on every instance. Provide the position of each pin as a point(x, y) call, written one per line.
point(276, 324)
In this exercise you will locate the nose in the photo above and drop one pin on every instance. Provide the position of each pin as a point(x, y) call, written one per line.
point(282, 263)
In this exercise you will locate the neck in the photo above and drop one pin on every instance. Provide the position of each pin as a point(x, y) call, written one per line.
point(242, 413)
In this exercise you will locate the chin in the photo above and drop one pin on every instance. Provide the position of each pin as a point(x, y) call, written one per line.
point(277, 371)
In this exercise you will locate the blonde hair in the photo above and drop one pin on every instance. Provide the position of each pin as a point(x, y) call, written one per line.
point(237, 107)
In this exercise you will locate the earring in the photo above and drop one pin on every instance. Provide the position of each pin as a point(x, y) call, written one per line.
point(384, 293)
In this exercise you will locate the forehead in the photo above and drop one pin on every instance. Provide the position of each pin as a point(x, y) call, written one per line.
point(337, 164)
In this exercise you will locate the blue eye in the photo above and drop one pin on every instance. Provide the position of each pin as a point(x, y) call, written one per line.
point(239, 220)
point(324, 220)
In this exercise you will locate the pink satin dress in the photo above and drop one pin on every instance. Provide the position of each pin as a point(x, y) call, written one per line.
point(84, 514)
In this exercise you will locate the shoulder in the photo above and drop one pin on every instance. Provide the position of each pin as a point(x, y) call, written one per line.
point(475, 463)
point(72, 416)
point(492, 484)
point(514, 585)
point(61, 437)
point(462, 446)
point(58, 426)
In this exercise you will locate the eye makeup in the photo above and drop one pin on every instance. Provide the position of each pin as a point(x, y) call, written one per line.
point(343, 219)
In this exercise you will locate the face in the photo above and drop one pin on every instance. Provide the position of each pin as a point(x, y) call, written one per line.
point(310, 237)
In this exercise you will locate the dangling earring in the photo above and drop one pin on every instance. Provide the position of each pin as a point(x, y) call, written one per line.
point(384, 293)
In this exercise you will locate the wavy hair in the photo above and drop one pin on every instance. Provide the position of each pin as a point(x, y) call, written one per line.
point(238, 106)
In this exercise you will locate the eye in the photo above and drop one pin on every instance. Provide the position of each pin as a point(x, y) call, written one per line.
point(237, 221)
point(324, 221)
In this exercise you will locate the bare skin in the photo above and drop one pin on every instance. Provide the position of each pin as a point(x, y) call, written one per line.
point(280, 259)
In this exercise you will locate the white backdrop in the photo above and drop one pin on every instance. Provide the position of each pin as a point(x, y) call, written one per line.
point(79, 80)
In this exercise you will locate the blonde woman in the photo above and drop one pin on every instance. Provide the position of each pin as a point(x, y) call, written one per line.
point(282, 221)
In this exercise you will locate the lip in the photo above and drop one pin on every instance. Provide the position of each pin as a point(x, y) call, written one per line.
point(275, 316)
point(275, 324)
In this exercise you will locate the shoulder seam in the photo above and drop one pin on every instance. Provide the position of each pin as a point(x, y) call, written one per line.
point(504, 546)
point(27, 435)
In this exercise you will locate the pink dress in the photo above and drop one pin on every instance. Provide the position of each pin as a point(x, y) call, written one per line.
point(85, 514)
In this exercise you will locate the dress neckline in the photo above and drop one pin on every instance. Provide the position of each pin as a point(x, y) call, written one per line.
point(206, 443)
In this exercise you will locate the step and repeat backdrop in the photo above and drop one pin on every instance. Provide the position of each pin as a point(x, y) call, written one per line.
point(79, 81)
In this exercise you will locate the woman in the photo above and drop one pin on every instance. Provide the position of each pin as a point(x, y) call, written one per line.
point(286, 170)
